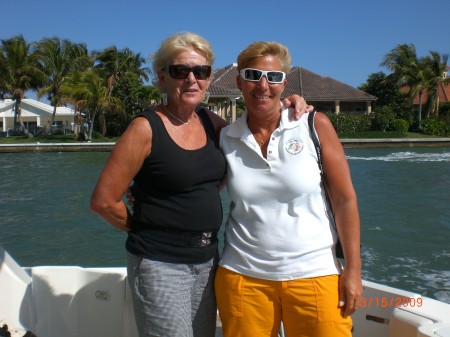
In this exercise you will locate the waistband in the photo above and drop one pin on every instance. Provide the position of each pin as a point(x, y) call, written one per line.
point(181, 238)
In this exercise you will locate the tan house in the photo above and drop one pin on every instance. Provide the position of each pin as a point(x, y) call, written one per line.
point(325, 93)
point(34, 114)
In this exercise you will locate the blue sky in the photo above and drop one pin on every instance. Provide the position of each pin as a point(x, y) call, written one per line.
point(345, 40)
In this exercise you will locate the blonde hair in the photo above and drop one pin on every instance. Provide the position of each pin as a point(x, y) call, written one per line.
point(178, 43)
point(259, 49)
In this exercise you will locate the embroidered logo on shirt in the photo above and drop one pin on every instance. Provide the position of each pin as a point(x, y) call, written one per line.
point(294, 146)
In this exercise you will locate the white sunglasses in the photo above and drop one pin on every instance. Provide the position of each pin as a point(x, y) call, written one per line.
point(254, 75)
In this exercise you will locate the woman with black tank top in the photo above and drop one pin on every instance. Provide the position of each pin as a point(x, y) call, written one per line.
point(171, 155)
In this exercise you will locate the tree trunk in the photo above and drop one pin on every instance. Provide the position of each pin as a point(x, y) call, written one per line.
point(419, 117)
point(18, 111)
point(102, 120)
point(52, 119)
point(91, 126)
point(436, 112)
point(77, 123)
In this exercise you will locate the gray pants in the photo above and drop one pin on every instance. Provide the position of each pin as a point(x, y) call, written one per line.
point(173, 300)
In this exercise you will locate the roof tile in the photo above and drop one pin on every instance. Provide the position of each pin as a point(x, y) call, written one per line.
point(311, 86)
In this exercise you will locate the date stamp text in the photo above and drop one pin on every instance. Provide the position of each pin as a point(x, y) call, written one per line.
point(389, 302)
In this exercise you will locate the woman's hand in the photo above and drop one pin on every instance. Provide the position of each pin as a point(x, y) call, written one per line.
point(350, 291)
point(299, 105)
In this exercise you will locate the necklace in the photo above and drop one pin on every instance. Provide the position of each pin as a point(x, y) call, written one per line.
point(260, 141)
point(177, 118)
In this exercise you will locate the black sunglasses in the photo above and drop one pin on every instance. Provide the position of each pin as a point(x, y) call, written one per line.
point(181, 71)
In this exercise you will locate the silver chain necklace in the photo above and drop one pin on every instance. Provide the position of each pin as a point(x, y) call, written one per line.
point(177, 118)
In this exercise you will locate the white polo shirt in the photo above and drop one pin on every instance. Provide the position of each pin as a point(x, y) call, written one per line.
point(280, 227)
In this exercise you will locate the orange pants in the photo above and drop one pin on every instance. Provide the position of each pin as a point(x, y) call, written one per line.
point(253, 307)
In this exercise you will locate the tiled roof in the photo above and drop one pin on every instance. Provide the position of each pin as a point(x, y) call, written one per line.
point(224, 82)
point(311, 86)
point(318, 88)
point(443, 93)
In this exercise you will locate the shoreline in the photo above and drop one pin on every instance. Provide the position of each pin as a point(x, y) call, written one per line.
point(107, 146)
point(394, 142)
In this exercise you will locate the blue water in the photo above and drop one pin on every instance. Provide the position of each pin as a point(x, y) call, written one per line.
point(403, 194)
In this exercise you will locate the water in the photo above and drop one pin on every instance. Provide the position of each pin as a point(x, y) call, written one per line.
point(403, 194)
point(404, 199)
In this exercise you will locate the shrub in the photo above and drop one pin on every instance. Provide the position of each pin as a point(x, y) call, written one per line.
point(444, 112)
point(435, 126)
point(384, 117)
point(399, 125)
point(348, 123)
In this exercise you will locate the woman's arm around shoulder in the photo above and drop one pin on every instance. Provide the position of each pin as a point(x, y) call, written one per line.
point(218, 122)
point(345, 207)
point(122, 166)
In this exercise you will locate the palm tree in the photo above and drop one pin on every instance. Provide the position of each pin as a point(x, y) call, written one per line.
point(58, 58)
point(87, 92)
point(436, 66)
point(69, 95)
point(148, 95)
point(19, 72)
point(113, 64)
point(408, 70)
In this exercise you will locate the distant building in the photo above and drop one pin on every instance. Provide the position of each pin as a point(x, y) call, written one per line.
point(34, 114)
point(325, 93)
point(443, 91)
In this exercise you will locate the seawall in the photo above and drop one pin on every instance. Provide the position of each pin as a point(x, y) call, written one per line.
point(395, 142)
point(56, 147)
point(106, 147)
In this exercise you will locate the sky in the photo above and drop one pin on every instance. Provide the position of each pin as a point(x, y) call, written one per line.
point(345, 40)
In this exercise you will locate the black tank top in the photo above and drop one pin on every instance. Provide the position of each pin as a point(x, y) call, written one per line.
point(177, 189)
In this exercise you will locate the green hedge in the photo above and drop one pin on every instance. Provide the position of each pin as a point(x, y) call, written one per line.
point(348, 123)
point(435, 126)
point(383, 120)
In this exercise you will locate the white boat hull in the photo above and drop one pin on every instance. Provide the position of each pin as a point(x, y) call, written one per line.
point(69, 301)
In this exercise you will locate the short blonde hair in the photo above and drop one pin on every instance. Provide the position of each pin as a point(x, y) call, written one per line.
point(259, 49)
point(178, 43)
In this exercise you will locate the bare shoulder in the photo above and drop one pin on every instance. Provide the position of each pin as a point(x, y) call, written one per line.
point(137, 136)
point(322, 121)
point(139, 127)
point(325, 130)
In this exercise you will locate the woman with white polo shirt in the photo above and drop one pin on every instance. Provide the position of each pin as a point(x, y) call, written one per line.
point(279, 261)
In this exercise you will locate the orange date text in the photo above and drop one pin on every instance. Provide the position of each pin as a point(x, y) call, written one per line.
point(389, 302)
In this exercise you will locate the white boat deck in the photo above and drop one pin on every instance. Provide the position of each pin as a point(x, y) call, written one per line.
point(69, 301)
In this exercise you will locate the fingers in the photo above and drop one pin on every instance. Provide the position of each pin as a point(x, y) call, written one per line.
point(348, 299)
point(350, 306)
point(299, 106)
point(341, 303)
point(300, 110)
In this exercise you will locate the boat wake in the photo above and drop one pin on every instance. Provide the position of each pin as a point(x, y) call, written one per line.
point(408, 156)
point(410, 272)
